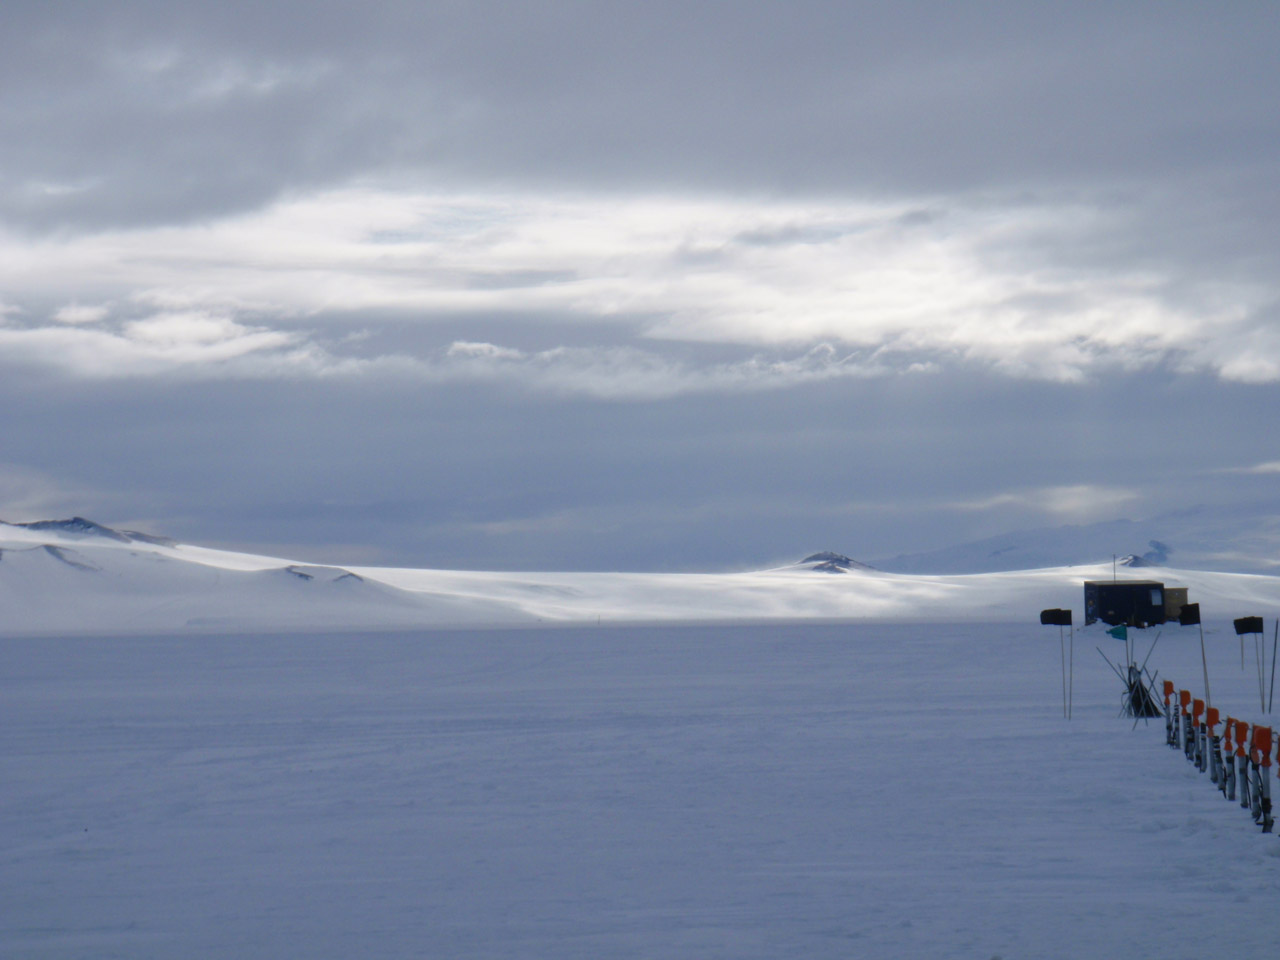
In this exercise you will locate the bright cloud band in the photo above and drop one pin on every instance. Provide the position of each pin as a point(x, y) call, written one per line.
point(801, 290)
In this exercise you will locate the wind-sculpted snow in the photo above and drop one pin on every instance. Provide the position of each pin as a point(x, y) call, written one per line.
point(71, 558)
point(66, 581)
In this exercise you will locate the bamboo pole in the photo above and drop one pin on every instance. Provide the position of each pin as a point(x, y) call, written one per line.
point(1062, 654)
point(1204, 664)
point(1259, 654)
point(1071, 684)
point(1274, 637)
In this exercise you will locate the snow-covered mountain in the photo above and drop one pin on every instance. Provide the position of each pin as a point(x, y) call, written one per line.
point(828, 562)
point(1241, 538)
point(79, 577)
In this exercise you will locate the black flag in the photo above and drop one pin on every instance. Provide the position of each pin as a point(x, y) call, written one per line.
point(1055, 618)
point(1249, 625)
point(1189, 615)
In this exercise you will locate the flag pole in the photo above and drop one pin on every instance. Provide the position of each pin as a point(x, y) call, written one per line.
point(1261, 647)
point(1205, 666)
point(1071, 684)
point(1062, 654)
point(1274, 637)
point(1060, 619)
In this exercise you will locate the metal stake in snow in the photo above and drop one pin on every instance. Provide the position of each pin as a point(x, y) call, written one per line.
point(1180, 728)
point(1242, 762)
point(1215, 745)
point(1184, 713)
point(1197, 725)
point(1255, 777)
point(1262, 760)
point(1228, 785)
point(1170, 737)
point(1264, 745)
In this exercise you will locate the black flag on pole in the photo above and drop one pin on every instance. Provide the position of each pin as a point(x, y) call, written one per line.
point(1248, 625)
point(1190, 614)
point(1055, 618)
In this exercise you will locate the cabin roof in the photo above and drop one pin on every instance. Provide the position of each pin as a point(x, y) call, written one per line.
point(1123, 583)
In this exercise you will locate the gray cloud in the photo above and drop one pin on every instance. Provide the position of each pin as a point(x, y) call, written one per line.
point(246, 236)
point(198, 346)
point(152, 112)
point(1144, 141)
point(489, 475)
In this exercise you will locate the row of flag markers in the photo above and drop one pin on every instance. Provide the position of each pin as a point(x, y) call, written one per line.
point(1239, 760)
point(1192, 727)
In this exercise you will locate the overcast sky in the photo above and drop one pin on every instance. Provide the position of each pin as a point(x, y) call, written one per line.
point(634, 285)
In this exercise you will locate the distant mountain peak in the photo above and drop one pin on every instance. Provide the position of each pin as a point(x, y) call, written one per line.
point(80, 527)
point(828, 562)
point(1241, 537)
point(1157, 556)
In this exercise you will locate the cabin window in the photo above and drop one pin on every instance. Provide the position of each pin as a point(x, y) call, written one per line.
point(1157, 600)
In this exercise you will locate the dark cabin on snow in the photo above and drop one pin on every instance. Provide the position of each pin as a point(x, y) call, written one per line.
point(1135, 603)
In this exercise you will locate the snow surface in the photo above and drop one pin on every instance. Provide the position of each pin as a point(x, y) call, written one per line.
point(788, 790)
point(219, 755)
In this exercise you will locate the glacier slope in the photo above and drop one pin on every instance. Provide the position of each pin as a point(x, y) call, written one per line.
point(80, 578)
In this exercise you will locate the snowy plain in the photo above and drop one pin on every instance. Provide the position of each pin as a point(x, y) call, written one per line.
point(756, 786)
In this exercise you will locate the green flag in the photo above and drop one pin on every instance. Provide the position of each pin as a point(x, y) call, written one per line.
point(1120, 633)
